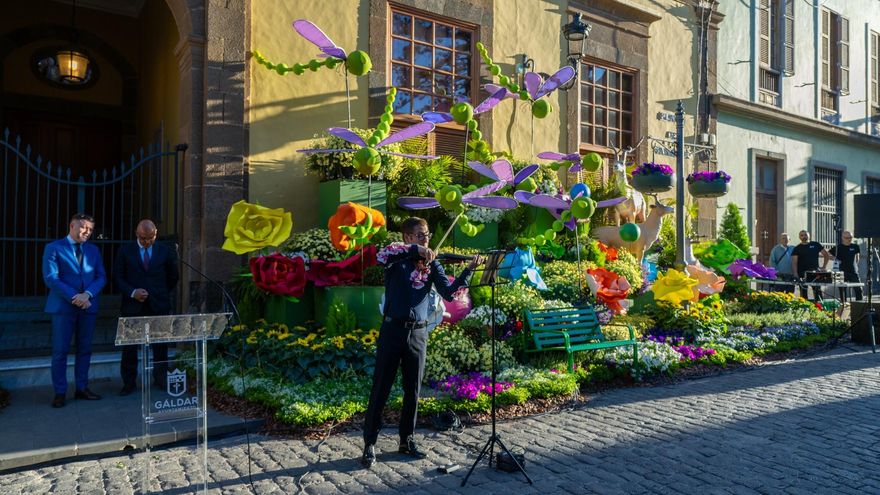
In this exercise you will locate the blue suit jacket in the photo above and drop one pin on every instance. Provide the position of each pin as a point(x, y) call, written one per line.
point(65, 278)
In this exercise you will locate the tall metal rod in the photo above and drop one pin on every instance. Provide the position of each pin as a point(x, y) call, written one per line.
point(679, 186)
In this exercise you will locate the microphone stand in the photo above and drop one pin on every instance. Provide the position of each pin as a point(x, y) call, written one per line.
point(227, 298)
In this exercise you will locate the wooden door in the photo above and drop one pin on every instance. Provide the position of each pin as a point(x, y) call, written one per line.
point(766, 184)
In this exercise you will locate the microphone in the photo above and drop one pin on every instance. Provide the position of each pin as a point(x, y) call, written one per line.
point(226, 296)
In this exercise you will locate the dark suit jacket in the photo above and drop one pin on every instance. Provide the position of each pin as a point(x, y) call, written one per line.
point(159, 280)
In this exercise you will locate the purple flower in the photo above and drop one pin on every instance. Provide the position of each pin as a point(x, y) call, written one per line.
point(693, 353)
point(749, 268)
point(649, 168)
point(708, 176)
point(469, 386)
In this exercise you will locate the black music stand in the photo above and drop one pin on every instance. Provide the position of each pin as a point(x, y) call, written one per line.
point(870, 313)
point(490, 279)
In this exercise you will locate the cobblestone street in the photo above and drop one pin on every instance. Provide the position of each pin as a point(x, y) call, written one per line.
point(800, 426)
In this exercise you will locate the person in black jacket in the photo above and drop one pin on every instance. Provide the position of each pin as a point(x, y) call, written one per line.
point(410, 271)
point(145, 274)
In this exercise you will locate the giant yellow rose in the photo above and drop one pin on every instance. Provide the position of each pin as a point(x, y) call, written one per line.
point(674, 286)
point(250, 227)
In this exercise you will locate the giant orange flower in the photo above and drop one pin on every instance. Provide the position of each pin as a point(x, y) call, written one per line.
point(610, 252)
point(609, 288)
point(352, 215)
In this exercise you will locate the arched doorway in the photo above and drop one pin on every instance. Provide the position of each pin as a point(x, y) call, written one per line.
point(108, 148)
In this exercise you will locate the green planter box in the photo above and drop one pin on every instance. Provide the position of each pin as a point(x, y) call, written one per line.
point(333, 193)
point(364, 301)
point(711, 189)
point(653, 183)
point(280, 310)
point(487, 239)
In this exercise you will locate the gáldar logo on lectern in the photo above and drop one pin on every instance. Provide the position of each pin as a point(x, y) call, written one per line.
point(176, 383)
point(176, 386)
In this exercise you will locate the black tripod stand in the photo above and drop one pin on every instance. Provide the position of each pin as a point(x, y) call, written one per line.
point(870, 313)
point(489, 279)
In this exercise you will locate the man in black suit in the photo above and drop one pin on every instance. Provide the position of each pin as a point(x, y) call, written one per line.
point(145, 273)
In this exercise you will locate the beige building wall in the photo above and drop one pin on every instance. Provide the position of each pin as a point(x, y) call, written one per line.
point(534, 29)
point(286, 112)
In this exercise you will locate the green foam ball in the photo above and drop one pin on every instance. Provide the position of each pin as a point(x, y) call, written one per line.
point(383, 127)
point(550, 234)
point(281, 69)
point(591, 162)
point(504, 81)
point(367, 161)
point(314, 65)
point(472, 125)
point(298, 69)
point(477, 135)
point(558, 225)
point(494, 70)
point(583, 208)
point(630, 232)
point(541, 108)
point(449, 197)
point(462, 112)
point(358, 63)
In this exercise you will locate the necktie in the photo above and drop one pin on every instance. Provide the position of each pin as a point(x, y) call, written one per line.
point(77, 248)
point(146, 259)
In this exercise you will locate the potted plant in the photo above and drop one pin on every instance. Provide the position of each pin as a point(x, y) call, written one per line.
point(708, 184)
point(341, 182)
point(651, 177)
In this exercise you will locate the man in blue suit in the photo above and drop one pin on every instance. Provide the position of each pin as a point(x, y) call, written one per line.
point(146, 273)
point(74, 272)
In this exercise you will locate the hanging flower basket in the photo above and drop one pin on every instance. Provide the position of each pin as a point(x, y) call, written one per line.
point(653, 178)
point(708, 184)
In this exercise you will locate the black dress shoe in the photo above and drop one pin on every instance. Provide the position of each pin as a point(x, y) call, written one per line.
point(87, 395)
point(126, 390)
point(369, 457)
point(58, 401)
point(411, 448)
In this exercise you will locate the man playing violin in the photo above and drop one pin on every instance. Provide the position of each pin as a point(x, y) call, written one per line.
point(411, 269)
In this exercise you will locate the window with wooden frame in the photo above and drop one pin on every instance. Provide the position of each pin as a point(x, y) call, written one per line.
point(607, 106)
point(874, 78)
point(775, 47)
point(432, 66)
point(835, 61)
point(432, 62)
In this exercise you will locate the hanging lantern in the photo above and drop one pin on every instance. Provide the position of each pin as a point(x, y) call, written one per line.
point(73, 66)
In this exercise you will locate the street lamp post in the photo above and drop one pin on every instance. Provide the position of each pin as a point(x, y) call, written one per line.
point(679, 187)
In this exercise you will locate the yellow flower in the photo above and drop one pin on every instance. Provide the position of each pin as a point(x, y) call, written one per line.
point(310, 337)
point(317, 347)
point(236, 328)
point(285, 335)
point(250, 227)
point(674, 287)
point(338, 341)
point(368, 339)
point(252, 339)
point(283, 328)
point(716, 305)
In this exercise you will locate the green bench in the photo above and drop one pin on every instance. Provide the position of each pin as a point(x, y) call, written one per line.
point(573, 329)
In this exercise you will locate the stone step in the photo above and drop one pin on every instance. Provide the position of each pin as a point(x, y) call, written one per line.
point(36, 371)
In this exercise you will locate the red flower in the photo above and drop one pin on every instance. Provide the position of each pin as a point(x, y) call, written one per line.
point(610, 252)
point(519, 324)
point(346, 272)
point(278, 274)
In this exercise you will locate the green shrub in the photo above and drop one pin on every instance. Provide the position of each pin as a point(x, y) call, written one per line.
point(340, 320)
point(733, 229)
point(641, 323)
point(541, 384)
point(449, 352)
point(513, 299)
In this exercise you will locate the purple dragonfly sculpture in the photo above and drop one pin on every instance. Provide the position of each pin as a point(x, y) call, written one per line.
point(367, 153)
point(574, 158)
point(537, 88)
point(488, 104)
point(477, 197)
point(501, 171)
point(357, 62)
point(560, 206)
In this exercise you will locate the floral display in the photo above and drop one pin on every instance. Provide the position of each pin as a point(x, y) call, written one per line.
point(718, 254)
point(313, 244)
point(708, 282)
point(751, 269)
point(766, 302)
point(609, 289)
point(479, 214)
point(697, 322)
point(250, 227)
point(650, 168)
point(470, 385)
point(708, 176)
point(279, 274)
point(674, 287)
point(343, 226)
point(654, 357)
point(688, 352)
point(346, 272)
